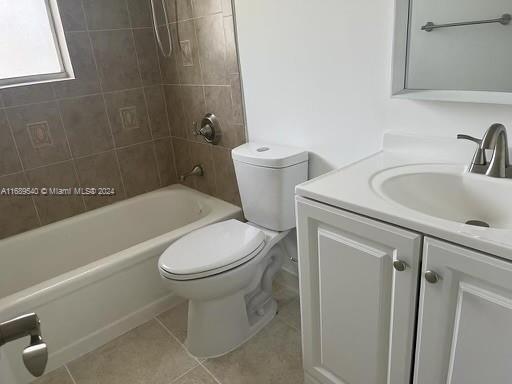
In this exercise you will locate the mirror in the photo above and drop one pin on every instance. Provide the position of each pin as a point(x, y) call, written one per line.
point(455, 50)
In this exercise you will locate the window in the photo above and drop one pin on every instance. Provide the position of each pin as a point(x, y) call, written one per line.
point(32, 43)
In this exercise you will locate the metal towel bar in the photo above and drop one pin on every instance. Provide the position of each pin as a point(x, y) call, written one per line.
point(503, 20)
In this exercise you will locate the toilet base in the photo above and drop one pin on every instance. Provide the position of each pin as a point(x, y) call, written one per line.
point(213, 330)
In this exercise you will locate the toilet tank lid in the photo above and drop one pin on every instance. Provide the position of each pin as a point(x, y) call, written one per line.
point(269, 155)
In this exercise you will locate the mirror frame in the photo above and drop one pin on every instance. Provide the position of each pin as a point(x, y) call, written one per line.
point(399, 70)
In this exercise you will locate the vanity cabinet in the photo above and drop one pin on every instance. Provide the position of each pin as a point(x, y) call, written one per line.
point(465, 317)
point(361, 321)
point(359, 280)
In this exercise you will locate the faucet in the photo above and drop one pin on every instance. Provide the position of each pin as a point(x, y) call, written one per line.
point(495, 139)
point(197, 170)
point(35, 356)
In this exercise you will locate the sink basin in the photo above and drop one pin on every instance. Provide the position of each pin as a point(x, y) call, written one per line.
point(447, 192)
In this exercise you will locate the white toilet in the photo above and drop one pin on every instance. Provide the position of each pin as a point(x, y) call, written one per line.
point(226, 269)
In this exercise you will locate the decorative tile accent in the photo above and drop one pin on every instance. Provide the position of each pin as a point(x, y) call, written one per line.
point(40, 134)
point(186, 53)
point(129, 118)
point(32, 157)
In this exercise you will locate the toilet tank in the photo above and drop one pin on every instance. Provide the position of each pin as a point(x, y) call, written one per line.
point(267, 176)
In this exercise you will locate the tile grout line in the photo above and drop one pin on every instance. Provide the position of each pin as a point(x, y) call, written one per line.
point(177, 340)
point(75, 170)
point(23, 170)
point(115, 149)
point(139, 70)
point(70, 374)
point(185, 348)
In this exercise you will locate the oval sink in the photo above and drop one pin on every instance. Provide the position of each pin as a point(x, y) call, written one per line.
point(447, 192)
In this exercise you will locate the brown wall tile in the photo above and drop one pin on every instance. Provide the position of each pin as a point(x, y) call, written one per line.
point(106, 14)
point(54, 208)
point(72, 15)
point(138, 169)
point(18, 212)
point(206, 7)
point(86, 124)
point(189, 67)
point(39, 134)
point(140, 13)
point(9, 159)
point(114, 62)
point(116, 59)
point(86, 76)
point(128, 117)
point(227, 8)
point(218, 100)
point(225, 178)
point(28, 94)
point(236, 97)
point(157, 111)
point(100, 171)
point(165, 161)
point(168, 65)
point(188, 155)
point(147, 55)
point(175, 110)
point(212, 49)
point(231, 52)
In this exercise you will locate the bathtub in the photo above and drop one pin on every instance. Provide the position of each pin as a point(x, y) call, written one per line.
point(93, 277)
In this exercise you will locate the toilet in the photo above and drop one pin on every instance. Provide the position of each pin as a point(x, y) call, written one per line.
point(226, 269)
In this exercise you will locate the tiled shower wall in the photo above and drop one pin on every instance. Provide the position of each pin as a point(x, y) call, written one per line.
point(112, 126)
point(202, 76)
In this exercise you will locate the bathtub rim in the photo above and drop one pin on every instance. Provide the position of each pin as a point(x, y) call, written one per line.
point(66, 283)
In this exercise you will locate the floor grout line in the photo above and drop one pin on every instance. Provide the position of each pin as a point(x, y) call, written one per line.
point(70, 374)
point(200, 363)
point(209, 372)
point(177, 340)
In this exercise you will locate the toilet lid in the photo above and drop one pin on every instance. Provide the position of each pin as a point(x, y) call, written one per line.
point(211, 249)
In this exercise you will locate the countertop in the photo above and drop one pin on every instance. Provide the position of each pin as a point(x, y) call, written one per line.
point(350, 188)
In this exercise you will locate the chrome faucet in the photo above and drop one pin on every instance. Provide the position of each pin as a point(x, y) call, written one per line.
point(196, 171)
point(495, 139)
point(35, 356)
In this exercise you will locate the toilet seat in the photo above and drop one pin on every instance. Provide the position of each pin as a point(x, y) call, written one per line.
point(211, 250)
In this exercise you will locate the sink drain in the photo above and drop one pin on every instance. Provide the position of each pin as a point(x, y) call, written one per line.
point(478, 223)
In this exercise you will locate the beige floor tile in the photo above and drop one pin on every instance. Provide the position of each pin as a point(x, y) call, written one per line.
point(273, 356)
point(198, 375)
point(290, 313)
point(175, 320)
point(288, 305)
point(59, 376)
point(145, 355)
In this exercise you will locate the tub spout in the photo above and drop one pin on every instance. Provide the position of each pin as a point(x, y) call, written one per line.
point(35, 356)
point(196, 171)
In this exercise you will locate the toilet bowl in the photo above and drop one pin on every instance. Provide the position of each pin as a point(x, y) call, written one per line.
point(226, 269)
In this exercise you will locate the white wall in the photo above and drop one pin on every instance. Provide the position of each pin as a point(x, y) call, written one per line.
point(316, 74)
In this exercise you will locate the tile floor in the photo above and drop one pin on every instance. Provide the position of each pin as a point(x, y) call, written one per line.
point(154, 353)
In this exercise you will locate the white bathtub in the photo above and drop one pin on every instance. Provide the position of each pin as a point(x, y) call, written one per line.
point(93, 277)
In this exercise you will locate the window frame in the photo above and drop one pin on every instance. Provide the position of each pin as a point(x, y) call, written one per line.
point(59, 37)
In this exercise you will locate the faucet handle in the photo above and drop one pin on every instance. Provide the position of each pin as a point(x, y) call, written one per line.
point(479, 158)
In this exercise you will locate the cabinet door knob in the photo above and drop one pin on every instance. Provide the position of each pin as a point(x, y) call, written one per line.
point(400, 265)
point(432, 277)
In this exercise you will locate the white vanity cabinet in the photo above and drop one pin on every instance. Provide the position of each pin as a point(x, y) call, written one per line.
point(358, 307)
point(465, 317)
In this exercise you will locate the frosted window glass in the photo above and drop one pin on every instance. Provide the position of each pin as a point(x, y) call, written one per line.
point(27, 43)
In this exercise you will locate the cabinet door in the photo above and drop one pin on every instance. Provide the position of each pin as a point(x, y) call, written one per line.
point(358, 312)
point(465, 318)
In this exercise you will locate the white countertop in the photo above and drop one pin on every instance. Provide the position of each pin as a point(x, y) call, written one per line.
point(350, 188)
